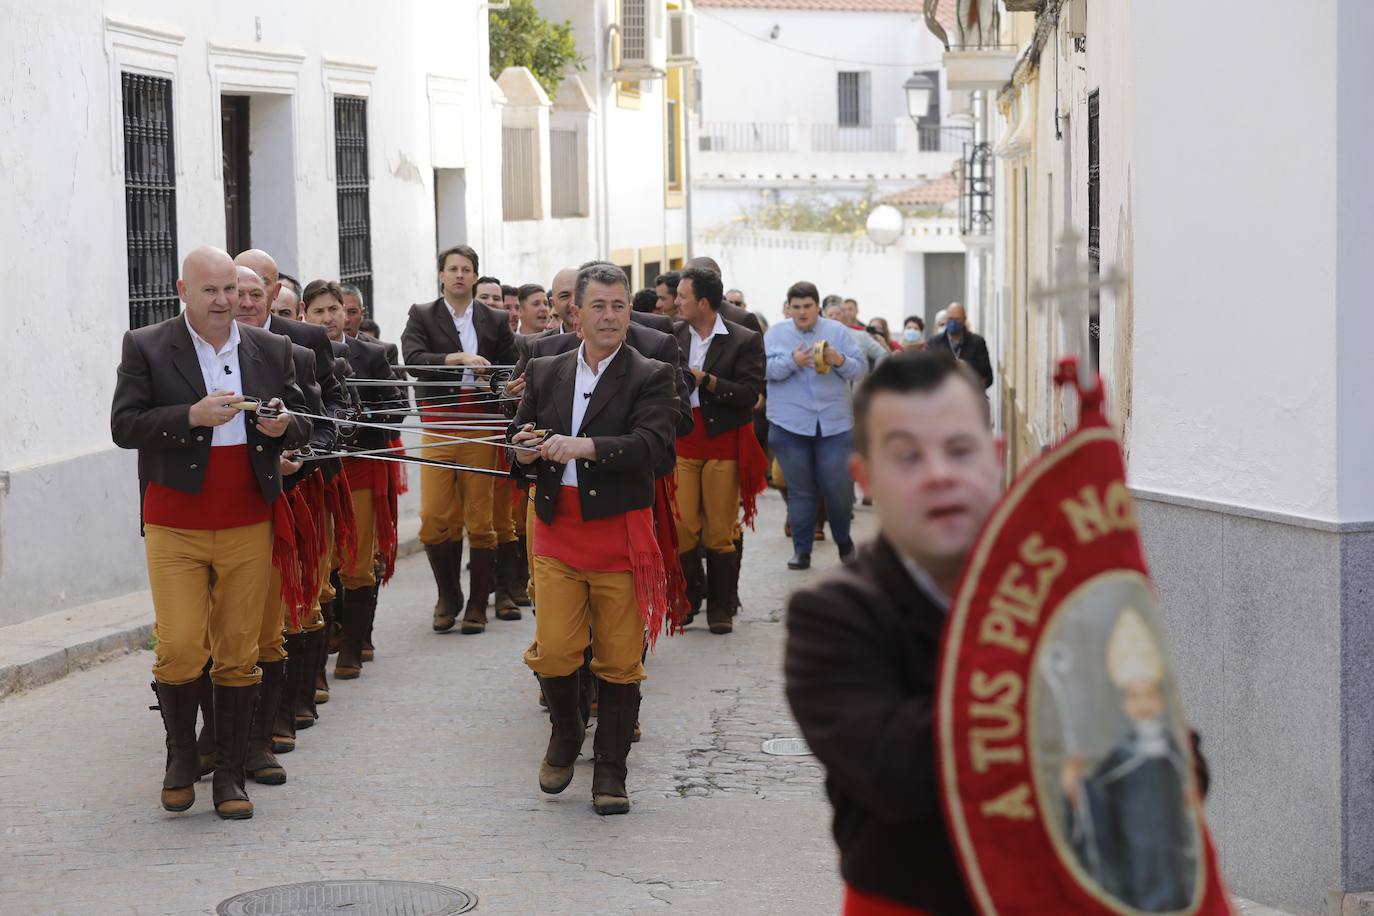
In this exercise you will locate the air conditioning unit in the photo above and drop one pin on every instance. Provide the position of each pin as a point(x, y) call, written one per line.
point(682, 37)
point(643, 48)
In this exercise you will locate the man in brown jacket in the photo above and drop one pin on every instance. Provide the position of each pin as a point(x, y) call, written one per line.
point(211, 481)
point(456, 330)
point(593, 424)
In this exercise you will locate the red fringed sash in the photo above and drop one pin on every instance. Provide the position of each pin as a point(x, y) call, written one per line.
point(753, 470)
point(665, 524)
point(284, 555)
point(339, 498)
point(400, 480)
point(307, 502)
point(620, 543)
point(384, 507)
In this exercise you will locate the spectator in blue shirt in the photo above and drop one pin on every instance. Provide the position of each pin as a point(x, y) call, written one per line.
point(810, 418)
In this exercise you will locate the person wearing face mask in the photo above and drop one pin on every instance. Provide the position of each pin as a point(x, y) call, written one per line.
point(965, 345)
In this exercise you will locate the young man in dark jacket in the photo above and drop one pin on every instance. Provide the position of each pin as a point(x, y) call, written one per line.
point(863, 645)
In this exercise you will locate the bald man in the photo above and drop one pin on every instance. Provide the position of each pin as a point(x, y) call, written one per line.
point(211, 480)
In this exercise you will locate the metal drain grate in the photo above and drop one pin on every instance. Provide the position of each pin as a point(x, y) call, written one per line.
point(354, 898)
point(787, 747)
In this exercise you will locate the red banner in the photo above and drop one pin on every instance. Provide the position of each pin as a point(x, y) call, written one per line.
point(1066, 768)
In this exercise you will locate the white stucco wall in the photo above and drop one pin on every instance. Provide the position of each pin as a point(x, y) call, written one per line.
point(1236, 306)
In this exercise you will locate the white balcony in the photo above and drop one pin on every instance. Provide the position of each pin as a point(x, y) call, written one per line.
point(794, 151)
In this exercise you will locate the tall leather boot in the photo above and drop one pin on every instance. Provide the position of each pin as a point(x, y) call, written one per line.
point(739, 563)
point(260, 763)
point(445, 562)
point(284, 716)
point(507, 572)
point(178, 704)
point(369, 650)
point(568, 733)
point(233, 720)
point(481, 578)
point(692, 576)
point(615, 727)
point(205, 743)
point(328, 646)
point(306, 710)
point(520, 579)
point(357, 603)
point(720, 591)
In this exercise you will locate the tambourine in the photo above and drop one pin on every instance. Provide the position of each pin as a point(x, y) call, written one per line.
point(822, 365)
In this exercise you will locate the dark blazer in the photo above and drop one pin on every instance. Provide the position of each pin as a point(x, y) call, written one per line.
point(731, 312)
point(315, 338)
point(322, 435)
point(653, 320)
point(863, 647)
point(629, 418)
point(430, 336)
point(367, 360)
point(158, 381)
point(737, 362)
point(974, 351)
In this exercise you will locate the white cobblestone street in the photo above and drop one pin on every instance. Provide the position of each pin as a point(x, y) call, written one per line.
point(424, 770)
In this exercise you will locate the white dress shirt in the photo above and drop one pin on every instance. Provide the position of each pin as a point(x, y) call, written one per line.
point(467, 332)
point(220, 370)
point(587, 380)
point(696, 356)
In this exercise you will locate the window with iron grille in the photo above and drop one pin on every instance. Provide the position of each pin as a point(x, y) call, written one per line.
point(1094, 228)
point(351, 179)
point(150, 199)
point(633, 26)
point(854, 102)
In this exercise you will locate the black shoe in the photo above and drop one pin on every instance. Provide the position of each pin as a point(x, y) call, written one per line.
point(847, 553)
point(799, 561)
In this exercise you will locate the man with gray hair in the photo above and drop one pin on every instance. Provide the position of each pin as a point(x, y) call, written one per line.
point(594, 422)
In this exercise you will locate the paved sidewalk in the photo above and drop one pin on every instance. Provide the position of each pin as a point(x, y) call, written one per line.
point(424, 769)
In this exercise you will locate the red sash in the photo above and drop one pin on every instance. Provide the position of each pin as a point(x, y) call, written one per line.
point(338, 498)
point(701, 447)
point(229, 497)
point(307, 506)
point(621, 543)
point(665, 525)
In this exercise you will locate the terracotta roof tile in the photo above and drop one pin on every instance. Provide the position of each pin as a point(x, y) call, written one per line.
point(849, 6)
point(942, 190)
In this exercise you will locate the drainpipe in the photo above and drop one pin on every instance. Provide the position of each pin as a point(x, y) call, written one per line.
point(687, 81)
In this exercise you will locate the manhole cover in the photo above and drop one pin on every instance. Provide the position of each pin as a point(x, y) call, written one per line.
point(786, 747)
point(355, 898)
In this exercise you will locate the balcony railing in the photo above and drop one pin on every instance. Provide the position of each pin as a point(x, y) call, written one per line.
point(746, 137)
point(803, 137)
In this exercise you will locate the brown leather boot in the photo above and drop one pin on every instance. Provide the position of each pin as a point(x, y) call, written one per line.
point(446, 563)
point(520, 579)
point(369, 651)
point(568, 733)
point(507, 575)
point(306, 708)
point(205, 743)
point(356, 602)
point(233, 720)
point(696, 585)
point(615, 725)
point(284, 716)
point(260, 763)
point(720, 591)
point(481, 578)
point(178, 704)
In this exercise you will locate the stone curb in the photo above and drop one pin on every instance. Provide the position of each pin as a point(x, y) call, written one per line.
point(50, 647)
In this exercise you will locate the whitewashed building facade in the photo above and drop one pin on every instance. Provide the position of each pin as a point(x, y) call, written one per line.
point(348, 141)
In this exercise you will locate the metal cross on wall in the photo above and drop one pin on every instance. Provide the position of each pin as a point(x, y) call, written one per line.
point(1073, 283)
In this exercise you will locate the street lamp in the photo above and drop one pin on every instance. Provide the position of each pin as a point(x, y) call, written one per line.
point(918, 89)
